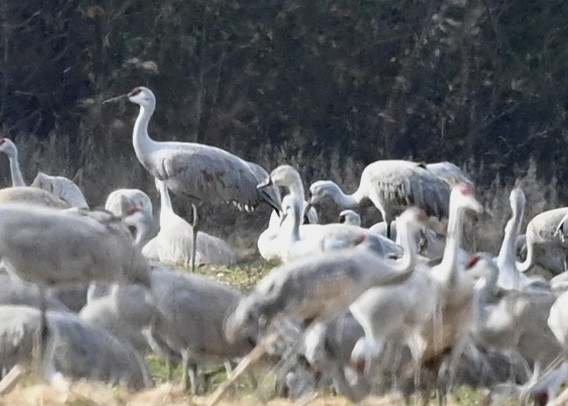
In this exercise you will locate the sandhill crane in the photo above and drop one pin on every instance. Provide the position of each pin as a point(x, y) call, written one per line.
point(392, 186)
point(195, 170)
point(512, 320)
point(9, 148)
point(50, 246)
point(16, 292)
point(61, 187)
point(431, 312)
point(316, 287)
point(175, 239)
point(73, 349)
point(450, 172)
point(125, 312)
point(542, 236)
point(190, 313)
point(31, 195)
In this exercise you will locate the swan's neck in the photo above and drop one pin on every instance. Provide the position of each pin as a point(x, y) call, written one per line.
point(408, 241)
point(143, 232)
point(142, 142)
point(291, 226)
point(506, 260)
point(344, 201)
point(166, 204)
point(527, 263)
point(446, 271)
point(15, 172)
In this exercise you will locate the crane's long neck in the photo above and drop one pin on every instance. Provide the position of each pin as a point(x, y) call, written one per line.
point(446, 270)
point(345, 201)
point(15, 172)
point(142, 142)
point(166, 203)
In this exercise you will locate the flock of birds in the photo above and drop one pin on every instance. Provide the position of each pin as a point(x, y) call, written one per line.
point(396, 306)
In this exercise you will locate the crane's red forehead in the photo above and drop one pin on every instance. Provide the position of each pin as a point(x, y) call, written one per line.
point(466, 190)
point(135, 91)
point(474, 259)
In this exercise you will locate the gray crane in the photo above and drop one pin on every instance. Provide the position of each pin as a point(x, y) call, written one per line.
point(317, 286)
point(195, 170)
point(392, 186)
point(52, 247)
point(73, 349)
point(191, 310)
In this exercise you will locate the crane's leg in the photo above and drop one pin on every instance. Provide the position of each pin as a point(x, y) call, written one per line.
point(42, 331)
point(195, 221)
point(388, 229)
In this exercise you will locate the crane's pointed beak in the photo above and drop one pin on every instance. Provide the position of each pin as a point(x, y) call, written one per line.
point(265, 183)
point(115, 99)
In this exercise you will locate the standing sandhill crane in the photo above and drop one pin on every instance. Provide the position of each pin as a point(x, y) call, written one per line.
point(9, 148)
point(542, 236)
point(175, 239)
point(61, 187)
point(191, 310)
point(50, 246)
point(392, 186)
point(431, 312)
point(512, 320)
point(317, 286)
point(195, 170)
point(73, 348)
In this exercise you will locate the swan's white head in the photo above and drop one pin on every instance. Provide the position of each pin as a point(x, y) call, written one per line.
point(517, 199)
point(285, 175)
point(349, 217)
point(463, 196)
point(142, 96)
point(322, 189)
point(8, 147)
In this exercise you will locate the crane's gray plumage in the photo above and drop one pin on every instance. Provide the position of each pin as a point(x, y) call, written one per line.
point(61, 187)
point(450, 172)
point(17, 292)
point(125, 312)
point(73, 348)
point(50, 246)
point(195, 170)
point(316, 287)
point(392, 186)
point(189, 319)
point(31, 195)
